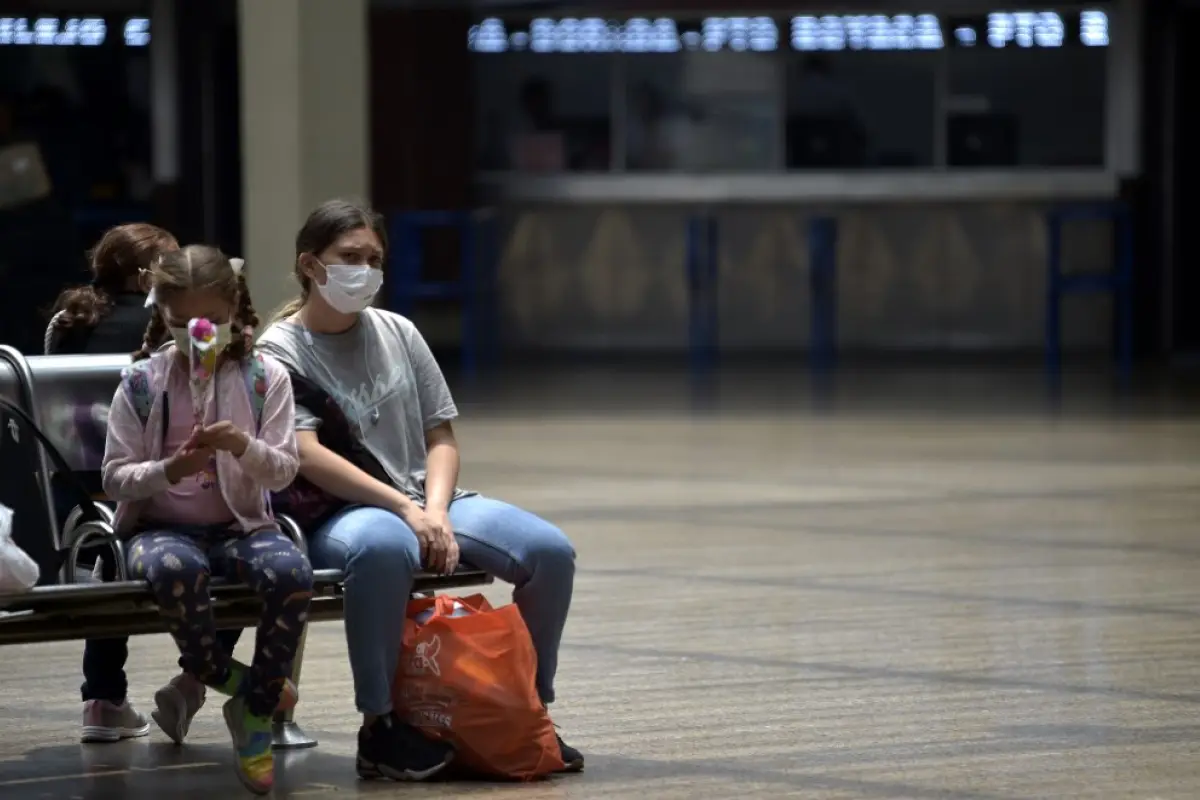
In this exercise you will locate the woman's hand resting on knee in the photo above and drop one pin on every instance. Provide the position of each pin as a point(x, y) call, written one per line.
point(439, 550)
point(445, 531)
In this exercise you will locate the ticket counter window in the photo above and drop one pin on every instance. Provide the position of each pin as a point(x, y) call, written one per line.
point(699, 112)
point(1027, 90)
point(861, 110)
point(806, 92)
point(543, 112)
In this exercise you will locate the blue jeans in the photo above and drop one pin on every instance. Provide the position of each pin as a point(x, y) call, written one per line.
point(380, 556)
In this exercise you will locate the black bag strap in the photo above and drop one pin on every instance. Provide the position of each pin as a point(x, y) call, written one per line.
point(335, 431)
point(81, 496)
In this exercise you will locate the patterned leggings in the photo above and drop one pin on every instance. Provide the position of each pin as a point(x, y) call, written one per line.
point(178, 565)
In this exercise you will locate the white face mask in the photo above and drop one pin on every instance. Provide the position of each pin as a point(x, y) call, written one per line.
point(350, 288)
point(184, 342)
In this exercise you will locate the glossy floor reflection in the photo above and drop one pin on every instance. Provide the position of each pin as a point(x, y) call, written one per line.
point(907, 604)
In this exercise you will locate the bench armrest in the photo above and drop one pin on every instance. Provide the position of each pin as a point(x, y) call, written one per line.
point(76, 516)
point(292, 531)
point(92, 530)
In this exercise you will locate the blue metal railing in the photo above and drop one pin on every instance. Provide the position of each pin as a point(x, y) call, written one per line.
point(474, 287)
point(702, 256)
point(702, 262)
point(1118, 283)
point(823, 302)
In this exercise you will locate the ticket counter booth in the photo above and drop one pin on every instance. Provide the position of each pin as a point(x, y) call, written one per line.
point(938, 139)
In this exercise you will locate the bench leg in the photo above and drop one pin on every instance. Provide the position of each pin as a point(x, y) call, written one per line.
point(286, 734)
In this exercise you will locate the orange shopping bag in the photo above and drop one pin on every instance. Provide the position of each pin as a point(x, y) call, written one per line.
point(467, 677)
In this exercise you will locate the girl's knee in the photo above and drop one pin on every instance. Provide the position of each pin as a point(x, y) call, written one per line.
point(285, 574)
point(297, 576)
point(173, 575)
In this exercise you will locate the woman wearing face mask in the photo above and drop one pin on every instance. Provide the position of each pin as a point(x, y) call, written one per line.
point(396, 479)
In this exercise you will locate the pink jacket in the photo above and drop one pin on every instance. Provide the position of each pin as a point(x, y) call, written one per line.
point(134, 466)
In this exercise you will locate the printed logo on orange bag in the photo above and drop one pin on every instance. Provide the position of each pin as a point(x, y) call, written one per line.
point(424, 659)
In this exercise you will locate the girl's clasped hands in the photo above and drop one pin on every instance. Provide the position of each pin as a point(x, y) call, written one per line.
point(195, 454)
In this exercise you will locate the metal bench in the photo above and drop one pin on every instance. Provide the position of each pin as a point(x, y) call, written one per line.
point(67, 399)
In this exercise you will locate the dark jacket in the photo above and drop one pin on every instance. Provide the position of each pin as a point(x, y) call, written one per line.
point(121, 331)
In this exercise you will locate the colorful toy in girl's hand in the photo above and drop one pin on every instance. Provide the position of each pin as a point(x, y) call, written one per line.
point(202, 354)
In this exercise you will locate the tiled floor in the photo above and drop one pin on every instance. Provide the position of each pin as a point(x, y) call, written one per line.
point(925, 603)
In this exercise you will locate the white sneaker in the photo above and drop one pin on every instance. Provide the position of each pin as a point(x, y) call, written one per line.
point(176, 704)
point(107, 722)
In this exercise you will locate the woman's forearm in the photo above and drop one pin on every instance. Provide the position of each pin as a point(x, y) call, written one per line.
point(329, 471)
point(441, 474)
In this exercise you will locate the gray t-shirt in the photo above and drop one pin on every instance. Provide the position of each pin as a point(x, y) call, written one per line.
point(385, 380)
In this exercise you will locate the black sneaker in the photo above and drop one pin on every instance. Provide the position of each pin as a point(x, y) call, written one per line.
point(392, 749)
point(572, 758)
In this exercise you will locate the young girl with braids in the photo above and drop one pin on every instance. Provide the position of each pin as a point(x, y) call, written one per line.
point(192, 497)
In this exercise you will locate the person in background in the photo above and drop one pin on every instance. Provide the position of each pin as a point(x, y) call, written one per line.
point(538, 143)
point(110, 315)
point(650, 128)
point(106, 316)
point(826, 127)
point(817, 91)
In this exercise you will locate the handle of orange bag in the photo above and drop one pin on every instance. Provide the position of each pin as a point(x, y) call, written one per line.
point(476, 604)
point(443, 605)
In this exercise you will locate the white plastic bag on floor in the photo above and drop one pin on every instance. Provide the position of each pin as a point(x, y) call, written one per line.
point(18, 572)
